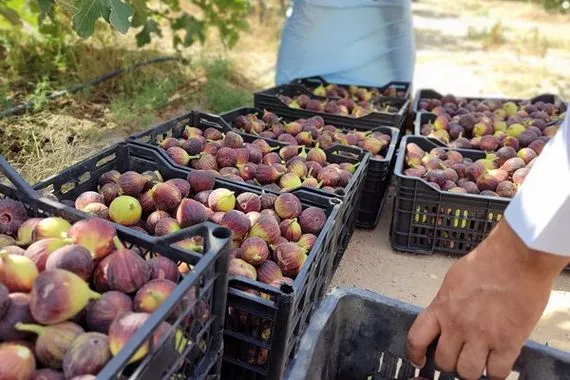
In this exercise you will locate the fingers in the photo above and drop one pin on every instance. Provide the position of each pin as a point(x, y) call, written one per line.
point(447, 352)
point(472, 360)
point(424, 331)
point(500, 364)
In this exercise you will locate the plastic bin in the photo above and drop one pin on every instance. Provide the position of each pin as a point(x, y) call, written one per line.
point(285, 315)
point(269, 100)
point(350, 195)
point(201, 324)
point(426, 219)
point(403, 89)
point(262, 334)
point(357, 334)
point(432, 94)
point(374, 186)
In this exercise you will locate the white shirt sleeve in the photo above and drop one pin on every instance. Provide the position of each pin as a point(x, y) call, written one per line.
point(540, 211)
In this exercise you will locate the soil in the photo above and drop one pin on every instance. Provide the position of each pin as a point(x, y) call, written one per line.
point(370, 263)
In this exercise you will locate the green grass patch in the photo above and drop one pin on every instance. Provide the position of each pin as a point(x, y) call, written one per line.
point(223, 91)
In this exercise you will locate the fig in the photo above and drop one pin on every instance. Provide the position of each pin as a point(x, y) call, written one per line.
point(192, 146)
point(254, 251)
point(470, 187)
point(248, 202)
point(7, 241)
point(182, 185)
point(291, 229)
point(221, 200)
point(290, 258)
point(127, 271)
point(163, 268)
point(25, 231)
point(55, 227)
point(233, 140)
point(474, 171)
point(288, 206)
point(110, 191)
point(17, 311)
point(265, 228)
point(179, 155)
point(266, 174)
point(307, 241)
point(519, 176)
point(48, 374)
point(237, 222)
point(154, 218)
point(312, 220)
point(206, 162)
point(165, 196)
point(506, 189)
point(99, 279)
point(101, 313)
point(289, 181)
point(288, 152)
point(487, 182)
point(169, 142)
point(527, 155)
point(88, 197)
point(97, 209)
point(226, 157)
point(57, 295)
point(190, 212)
point(165, 226)
point(4, 300)
point(329, 177)
point(317, 155)
point(53, 341)
point(17, 272)
point(152, 294)
point(12, 216)
point(73, 258)
point(87, 355)
point(513, 164)
point(267, 200)
point(269, 272)
point(489, 143)
point(241, 268)
point(39, 251)
point(132, 183)
point(216, 217)
point(271, 159)
point(18, 361)
point(112, 176)
point(94, 234)
point(537, 146)
point(125, 210)
point(212, 134)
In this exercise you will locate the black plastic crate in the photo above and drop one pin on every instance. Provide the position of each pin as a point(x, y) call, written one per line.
point(291, 307)
point(269, 100)
point(311, 83)
point(341, 343)
point(262, 334)
point(350, 195)
point(201, 324)
point(426, 219)
point(374, 186)
point(432, 94)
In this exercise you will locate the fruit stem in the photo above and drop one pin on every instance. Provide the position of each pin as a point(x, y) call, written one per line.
point(117, 242)
point(30, 327)
point(319, 185)
point(274, 148)
point(93, 295)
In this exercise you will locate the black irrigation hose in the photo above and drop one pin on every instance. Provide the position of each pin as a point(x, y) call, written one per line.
point(24, 107)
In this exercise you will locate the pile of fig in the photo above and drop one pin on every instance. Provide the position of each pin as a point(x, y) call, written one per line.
point(257, 163)
point(312, 131)
point(265, 228)
point(499, 174)
point(355, 92)
point(71, 296)
point(343, 107)
point(490, 124)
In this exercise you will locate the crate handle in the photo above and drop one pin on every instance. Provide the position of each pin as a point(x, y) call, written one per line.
point(23, 187)
point(203, 118)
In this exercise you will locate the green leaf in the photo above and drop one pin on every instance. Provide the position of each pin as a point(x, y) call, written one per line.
point(45, 7)
point(144, 36)
point(141, 12)
point(120, 13)
point(88, 11)
point(10, 15)
point(193, 28)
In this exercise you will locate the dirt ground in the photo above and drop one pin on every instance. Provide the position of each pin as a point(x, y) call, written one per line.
point(449, 60)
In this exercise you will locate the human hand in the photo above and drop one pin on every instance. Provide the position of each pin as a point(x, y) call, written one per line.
point(486, 308)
